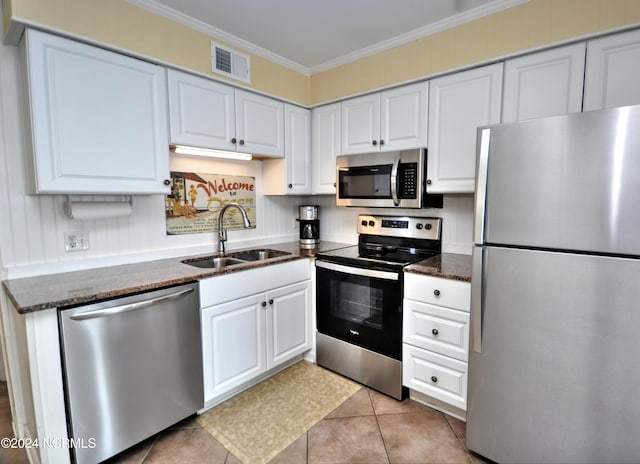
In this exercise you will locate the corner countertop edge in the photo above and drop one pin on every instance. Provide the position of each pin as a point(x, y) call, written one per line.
point(450, 266)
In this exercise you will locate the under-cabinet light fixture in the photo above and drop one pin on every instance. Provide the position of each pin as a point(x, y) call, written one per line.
point(197, 151)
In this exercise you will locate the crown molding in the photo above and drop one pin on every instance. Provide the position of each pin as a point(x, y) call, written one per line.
point(448, 23)
point(431, 29)
point(217, 34)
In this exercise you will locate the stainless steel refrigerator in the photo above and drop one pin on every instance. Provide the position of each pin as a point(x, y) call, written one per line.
point(554, 363)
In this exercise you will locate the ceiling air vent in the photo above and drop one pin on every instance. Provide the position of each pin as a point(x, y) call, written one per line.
point(230, 63)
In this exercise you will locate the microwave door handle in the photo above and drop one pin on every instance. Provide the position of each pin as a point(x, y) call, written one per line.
point(394, 181)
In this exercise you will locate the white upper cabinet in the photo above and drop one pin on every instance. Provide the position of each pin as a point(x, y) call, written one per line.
point(392, 120)
point(403, 117)
point(205, 113)
point(612, 76)
point(326, 146)
point(98, 119)
point(201, 112)
point(544, 84)
point(291, 175)
point(458, 104)
point(259, 124)
point(361, 124)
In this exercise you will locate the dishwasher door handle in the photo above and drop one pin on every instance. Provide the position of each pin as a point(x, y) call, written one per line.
point(125, 308)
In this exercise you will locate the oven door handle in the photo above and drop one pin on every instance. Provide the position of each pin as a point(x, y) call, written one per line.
point(358, 271)
point(394, 181)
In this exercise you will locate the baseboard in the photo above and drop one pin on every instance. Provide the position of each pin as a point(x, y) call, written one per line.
point(438, 405)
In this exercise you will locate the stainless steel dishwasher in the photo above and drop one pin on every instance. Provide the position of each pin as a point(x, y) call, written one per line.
point(133, 366)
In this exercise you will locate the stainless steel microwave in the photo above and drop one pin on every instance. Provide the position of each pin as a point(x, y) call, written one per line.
point(393, 179)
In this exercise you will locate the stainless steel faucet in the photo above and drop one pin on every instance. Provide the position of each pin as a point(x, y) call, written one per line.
point(222, 233)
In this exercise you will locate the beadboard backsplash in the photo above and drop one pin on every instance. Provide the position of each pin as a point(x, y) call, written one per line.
point(338, 223)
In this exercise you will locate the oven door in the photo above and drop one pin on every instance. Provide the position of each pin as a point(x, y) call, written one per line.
point(360, 306)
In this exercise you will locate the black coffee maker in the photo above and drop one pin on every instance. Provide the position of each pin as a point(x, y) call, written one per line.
point(309, 226)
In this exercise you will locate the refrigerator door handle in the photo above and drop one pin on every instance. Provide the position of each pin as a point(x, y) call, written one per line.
point(484, 136)
point(476, 298)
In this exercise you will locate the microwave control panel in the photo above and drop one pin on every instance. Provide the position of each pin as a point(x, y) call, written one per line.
point(408, 178)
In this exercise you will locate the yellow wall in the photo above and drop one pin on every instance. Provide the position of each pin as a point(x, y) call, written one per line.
point(6, 14)
point(537, 23)
point(122, 25)
point(534, 24)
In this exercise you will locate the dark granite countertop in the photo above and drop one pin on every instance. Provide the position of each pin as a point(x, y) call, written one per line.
point(446, 265)
point(79, 287)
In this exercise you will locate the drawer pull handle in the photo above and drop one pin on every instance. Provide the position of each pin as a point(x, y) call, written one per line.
point(436, 292)
point(434, 331)
point(434, 379)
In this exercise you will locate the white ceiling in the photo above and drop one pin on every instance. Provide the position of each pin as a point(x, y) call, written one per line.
point(314, 35)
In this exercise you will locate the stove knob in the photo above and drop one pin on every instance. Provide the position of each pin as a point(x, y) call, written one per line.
point(363, 223)
point(419, 226)
point(428, 226)
point(372, 223)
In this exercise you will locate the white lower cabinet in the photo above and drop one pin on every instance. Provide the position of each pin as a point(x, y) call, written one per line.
point(434, 375)
point(435, 336)
point(288, 322)
point(263, 322)
point(234, 346)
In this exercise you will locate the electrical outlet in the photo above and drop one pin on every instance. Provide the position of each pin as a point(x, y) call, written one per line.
point(76, 241)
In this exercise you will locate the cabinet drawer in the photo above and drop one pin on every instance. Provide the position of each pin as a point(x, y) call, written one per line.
point(438, 376)
point(443, 330)
point(435, 290)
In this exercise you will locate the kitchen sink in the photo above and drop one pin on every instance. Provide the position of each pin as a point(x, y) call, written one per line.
point(258, 255)
point(240, 257)
point(214, 263)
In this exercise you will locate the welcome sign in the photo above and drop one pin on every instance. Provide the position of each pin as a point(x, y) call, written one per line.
point(195, 201)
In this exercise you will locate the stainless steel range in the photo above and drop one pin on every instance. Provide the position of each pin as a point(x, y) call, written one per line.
point(359, 298)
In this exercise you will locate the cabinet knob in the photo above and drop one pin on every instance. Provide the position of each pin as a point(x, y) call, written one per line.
point(428, 181)
point(166, 182)
point(436, 292)
point(374, 142)
point(381, 142)
point(233, 140)
point(290, 185)
point(434, 379)
point(264, 303)
point(434, 331)
point(241, 142)
point(334, 185)
point(271, 301)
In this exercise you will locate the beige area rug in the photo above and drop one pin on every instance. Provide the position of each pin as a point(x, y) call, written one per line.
point(259, 423)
